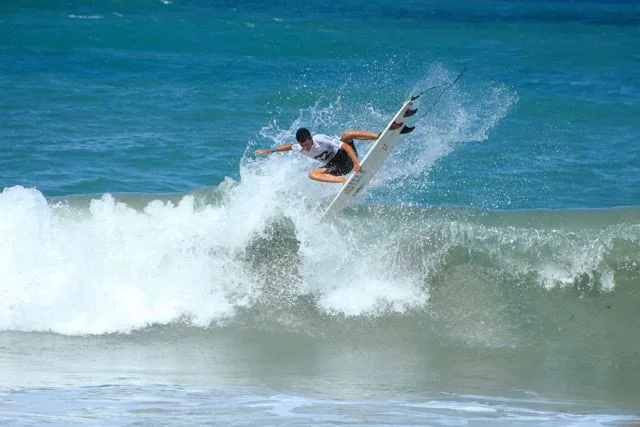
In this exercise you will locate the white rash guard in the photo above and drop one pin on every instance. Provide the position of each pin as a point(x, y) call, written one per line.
point(323, 149)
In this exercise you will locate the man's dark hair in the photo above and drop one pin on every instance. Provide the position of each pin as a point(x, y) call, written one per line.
point(303, 134)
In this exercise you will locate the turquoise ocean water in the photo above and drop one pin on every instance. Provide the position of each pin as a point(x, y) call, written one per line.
point(154, 271)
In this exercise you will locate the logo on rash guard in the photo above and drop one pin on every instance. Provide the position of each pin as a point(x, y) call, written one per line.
point(323, 156)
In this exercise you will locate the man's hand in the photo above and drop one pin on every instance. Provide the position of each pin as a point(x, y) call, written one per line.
point(356, 166)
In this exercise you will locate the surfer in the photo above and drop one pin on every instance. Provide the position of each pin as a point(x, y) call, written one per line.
point(338, 155)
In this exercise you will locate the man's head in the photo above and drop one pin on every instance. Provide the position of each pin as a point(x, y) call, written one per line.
point(303, 136)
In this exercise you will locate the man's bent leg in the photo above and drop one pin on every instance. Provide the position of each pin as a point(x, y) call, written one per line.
point(320, 174)
point(350, 135)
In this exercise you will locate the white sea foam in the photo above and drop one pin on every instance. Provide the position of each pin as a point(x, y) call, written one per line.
point(114, 268)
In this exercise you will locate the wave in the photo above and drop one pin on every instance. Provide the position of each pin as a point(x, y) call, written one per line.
point(116, 263)
point(253, 251)
point(74, 16)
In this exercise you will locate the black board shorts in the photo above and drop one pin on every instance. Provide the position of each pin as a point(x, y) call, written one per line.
point(341, 163)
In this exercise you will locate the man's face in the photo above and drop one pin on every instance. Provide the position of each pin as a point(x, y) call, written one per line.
point(306, 144)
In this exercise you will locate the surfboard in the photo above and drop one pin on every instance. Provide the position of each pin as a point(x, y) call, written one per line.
point(370, 164)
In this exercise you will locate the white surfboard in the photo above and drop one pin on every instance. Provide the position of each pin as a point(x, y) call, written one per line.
point(372, 161)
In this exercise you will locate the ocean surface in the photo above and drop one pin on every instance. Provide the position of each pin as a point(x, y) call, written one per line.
point(155, 271)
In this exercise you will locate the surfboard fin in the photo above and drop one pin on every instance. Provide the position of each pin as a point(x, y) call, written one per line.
point(410, 113)
point(395, 125)
point(407, 129)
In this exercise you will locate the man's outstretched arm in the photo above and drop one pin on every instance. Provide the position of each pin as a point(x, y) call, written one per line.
point(285, 147)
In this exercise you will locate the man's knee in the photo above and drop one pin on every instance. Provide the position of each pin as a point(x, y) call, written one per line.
point(347, 136)
point(315, 173)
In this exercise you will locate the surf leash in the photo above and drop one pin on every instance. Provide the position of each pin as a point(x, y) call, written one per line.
point(446, 86)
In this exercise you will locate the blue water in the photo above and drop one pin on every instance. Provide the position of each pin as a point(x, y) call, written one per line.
point(153, 269)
